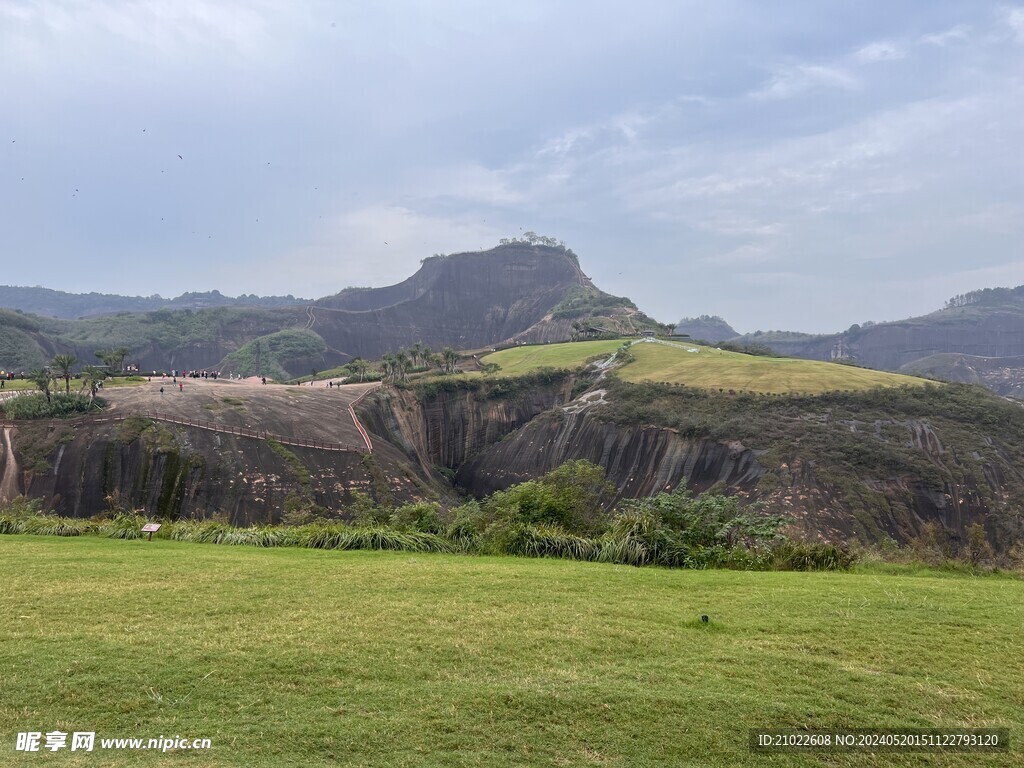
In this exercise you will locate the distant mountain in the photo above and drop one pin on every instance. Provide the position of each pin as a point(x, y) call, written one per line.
point(515, 292)
point(70, 306)
point(706, 327)
point(977, 336)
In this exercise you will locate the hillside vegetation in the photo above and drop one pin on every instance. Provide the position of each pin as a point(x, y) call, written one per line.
point(384, 659)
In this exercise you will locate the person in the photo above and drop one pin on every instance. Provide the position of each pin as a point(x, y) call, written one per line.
point(181, 386)
point(161, 390)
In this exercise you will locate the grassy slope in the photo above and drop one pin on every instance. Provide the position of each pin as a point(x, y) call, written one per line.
point(298, 657)
point(708, 369)
point(713, 369)
point(520, 360)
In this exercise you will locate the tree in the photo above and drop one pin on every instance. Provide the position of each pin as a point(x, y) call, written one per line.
point(416, 352)
point(119, 354)
point(359, 367)
point(91, 377)
point(42, 379)
point(387, 366)
point(402, 365)
point(63, 364)
point(449, 358)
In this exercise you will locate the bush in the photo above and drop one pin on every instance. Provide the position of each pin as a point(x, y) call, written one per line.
point(424, 517)
point(36, 406)
point(811, 556)
point(125, 526)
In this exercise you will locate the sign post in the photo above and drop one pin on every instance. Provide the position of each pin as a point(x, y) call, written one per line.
point(151, 528)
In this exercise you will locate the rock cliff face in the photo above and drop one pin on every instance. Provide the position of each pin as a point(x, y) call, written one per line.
point(175, 471)
point(467, 300)
point(835, 474)
point(639, 461)
point(1003, 375)
point(442, 430)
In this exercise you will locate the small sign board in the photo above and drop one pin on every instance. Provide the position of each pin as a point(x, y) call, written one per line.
point(151, 528)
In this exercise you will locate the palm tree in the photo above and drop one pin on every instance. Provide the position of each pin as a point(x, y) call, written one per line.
point(401, 365)
point(42, 379)
point(91, 377)
point(416, 352)
point(387, 366)
point(63, 364)
point(450, 357)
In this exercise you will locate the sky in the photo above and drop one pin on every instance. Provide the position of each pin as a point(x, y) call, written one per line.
point(802, 166)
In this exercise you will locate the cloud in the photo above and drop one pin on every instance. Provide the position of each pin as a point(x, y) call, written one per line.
point(942, 39)
point(469, 184)
point(881, 51)
point(1014, 18)
point(795, 80)
point(41, 30)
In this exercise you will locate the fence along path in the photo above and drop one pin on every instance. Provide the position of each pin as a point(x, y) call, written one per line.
point(256, 434)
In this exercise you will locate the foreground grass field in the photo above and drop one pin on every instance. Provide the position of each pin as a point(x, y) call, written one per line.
point(709, 368)
point(311, 658)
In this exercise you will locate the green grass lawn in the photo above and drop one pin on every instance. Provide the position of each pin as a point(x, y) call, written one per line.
point(19, 384)
point(719, 369)
point(308, 658)
point(519, 360)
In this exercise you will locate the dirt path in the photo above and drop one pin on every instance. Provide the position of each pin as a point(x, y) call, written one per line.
point(9, 481)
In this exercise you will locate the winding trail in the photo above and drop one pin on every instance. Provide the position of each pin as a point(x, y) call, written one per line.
point(355, 419)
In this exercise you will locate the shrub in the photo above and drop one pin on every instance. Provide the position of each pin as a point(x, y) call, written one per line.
point(36, 406)
point(125, 526)
point(811, 556)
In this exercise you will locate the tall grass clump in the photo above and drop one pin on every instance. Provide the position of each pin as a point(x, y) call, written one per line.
point(124, 526)
point(526, 540)
point(811, 556)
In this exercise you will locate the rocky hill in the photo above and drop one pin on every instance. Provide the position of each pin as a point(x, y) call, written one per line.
point(976, 337)
point(706, 327)
point(466, 300)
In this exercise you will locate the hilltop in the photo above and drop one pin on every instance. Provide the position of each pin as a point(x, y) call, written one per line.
point(519, 291)
point(706, 328)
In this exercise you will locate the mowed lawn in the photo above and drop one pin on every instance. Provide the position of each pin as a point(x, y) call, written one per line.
point(519, 360)
point(709, 368)
point(311, 658)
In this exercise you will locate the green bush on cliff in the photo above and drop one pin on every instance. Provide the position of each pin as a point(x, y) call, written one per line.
point(36, 406)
